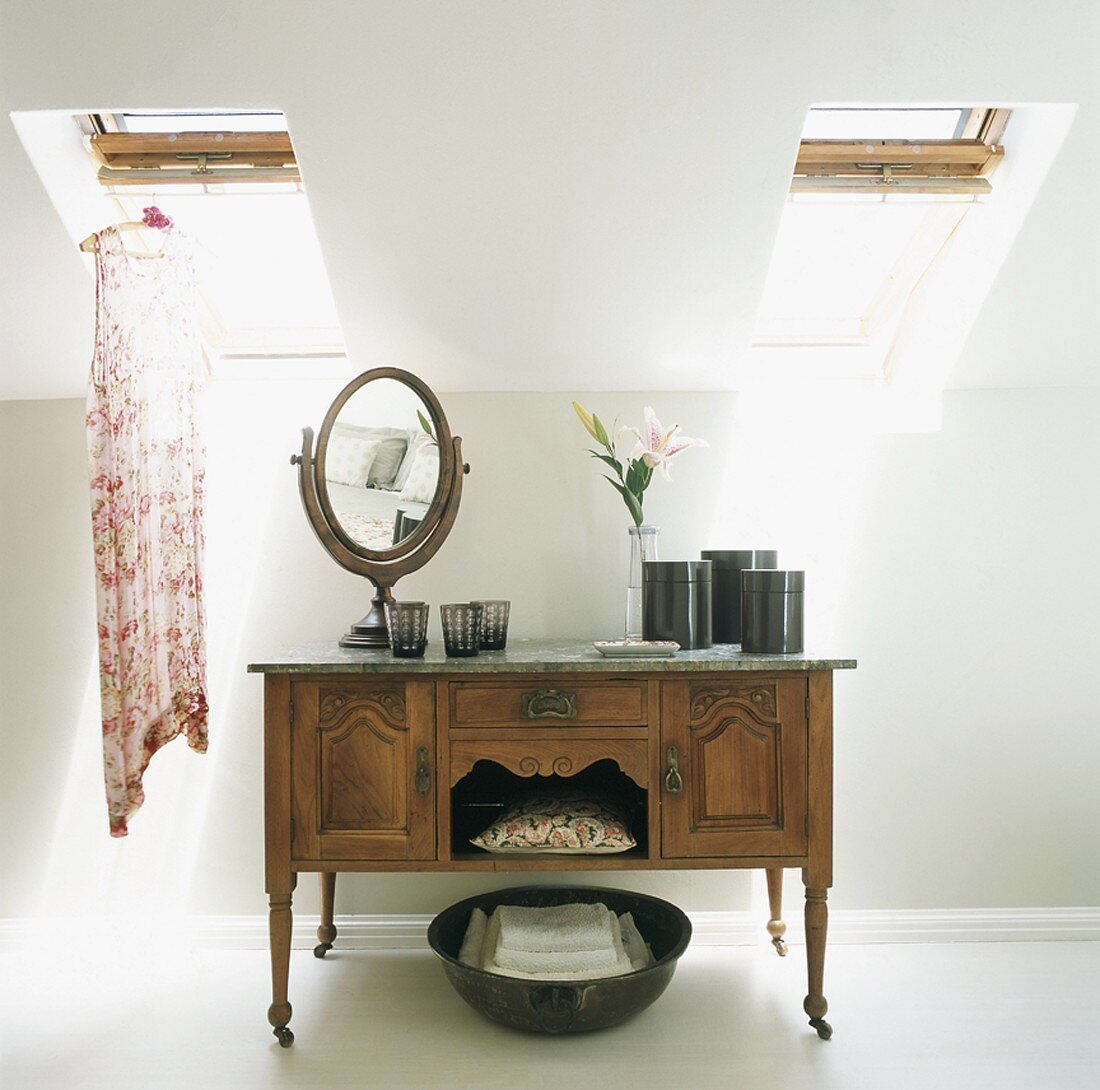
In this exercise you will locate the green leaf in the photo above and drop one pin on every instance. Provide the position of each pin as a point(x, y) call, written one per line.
point(425, 423)
point(632, 476)
point(608, 460)
point(638, 477)
point(601, 431)
point(633, 503)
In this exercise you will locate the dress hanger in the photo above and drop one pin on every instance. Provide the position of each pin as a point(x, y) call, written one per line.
point(154, 218)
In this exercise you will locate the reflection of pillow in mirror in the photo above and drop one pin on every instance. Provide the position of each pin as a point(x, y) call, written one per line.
point(424, 475)
point(348, 460)
point(366, 431)
point(391, 453)
point(417, 438)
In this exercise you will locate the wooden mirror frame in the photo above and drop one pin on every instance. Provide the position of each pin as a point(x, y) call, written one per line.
point(382, 567)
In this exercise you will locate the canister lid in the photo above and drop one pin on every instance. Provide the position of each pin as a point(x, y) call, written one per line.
point(772, 580)
point(741, 558)
point(676, 571)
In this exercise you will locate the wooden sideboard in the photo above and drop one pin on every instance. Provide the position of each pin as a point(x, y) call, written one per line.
point(373, 763)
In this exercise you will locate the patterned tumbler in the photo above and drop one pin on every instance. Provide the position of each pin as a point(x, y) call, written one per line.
point(494, 624)
point(461, 628)
point(408, 623)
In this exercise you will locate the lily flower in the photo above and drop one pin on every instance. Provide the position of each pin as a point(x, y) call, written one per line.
point(659, 445)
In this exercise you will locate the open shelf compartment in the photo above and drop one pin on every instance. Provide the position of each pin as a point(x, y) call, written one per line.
point(483, 794)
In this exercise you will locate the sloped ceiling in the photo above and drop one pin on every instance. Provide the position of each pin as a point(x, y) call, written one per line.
point(569, 195)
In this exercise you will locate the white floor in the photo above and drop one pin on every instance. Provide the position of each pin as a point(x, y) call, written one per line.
point(996, 1015)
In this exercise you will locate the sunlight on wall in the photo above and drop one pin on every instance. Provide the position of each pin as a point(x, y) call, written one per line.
point(72, 809)
point(794, 478)
point(250, 428)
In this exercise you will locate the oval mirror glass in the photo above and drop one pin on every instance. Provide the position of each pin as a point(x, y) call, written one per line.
point(378, 459)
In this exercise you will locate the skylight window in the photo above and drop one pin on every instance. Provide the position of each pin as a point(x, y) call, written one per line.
point(884, 124)
point(198, 121)
point(876, 195)
point(230, 180)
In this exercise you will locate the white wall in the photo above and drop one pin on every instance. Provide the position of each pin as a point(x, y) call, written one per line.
point(583, 195)
point(958, 566)
point(571, 195)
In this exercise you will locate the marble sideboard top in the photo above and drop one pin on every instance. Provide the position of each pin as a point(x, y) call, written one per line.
point(533, 657)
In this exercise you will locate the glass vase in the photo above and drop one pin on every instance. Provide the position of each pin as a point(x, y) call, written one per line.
point(643, 547)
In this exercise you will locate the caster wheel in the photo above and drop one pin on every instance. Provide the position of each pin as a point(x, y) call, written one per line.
point(824, 1030)
point(780, 947)
point(321, 949)
point(284, 1036)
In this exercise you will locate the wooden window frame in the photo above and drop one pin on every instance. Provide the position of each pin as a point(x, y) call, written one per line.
point(961, 165)
point(190, 158)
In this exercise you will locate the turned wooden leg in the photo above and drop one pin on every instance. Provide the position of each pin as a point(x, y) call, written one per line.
point(817, 919)
point(279, 923)
point(326, 933)
point(776, 927)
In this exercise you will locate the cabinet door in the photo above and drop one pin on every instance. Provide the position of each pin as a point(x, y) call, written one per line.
point(364, 769)
point(741, 750)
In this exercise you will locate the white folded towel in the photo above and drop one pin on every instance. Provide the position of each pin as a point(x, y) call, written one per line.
point(637, 949)
point(492, 941)
point(474, 941)
point(534, 961)
point(556, 929)
point(590, 974)
point(564, 961)
point(482, 947)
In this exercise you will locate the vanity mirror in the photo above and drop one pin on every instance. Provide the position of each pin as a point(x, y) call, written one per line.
point(382, 488)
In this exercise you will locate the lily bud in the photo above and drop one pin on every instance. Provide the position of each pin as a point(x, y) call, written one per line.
point(586, 420)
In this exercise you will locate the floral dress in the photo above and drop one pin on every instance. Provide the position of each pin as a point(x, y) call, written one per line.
point(146, 464)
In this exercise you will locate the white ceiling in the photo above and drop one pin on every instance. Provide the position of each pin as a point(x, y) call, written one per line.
point(558, 195)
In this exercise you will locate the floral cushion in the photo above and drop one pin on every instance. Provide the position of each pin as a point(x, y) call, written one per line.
point(557, 823)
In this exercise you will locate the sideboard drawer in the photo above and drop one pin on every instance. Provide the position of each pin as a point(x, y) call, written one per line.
point(549, 703)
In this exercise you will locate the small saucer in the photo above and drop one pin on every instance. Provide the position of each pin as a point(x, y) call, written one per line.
point(649, 649)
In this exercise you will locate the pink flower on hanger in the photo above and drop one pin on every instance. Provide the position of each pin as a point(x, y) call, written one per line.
point(154, 217)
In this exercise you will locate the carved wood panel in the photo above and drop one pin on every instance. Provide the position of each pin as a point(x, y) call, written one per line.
point(551, 757)
point(742, 759)
point(363, 748)
point(736, 752)
point(357, 745)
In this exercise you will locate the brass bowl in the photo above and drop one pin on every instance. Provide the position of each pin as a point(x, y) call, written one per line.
point(563, 1006)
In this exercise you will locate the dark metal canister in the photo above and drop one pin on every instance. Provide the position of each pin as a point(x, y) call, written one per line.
point(676, 602)
point(771, 611)
point(725, 585)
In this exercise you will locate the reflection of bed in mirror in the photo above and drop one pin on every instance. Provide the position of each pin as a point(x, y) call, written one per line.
point(380, 481)
point(369, 516)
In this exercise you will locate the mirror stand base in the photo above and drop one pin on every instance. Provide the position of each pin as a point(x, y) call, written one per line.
point(358, 638)
point(372, 630)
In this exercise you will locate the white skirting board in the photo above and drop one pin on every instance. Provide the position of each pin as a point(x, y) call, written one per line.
point(743, 929)
point(409, 932)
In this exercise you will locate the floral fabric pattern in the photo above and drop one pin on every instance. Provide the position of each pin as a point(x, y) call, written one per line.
point(146, 463)
point(558, 823)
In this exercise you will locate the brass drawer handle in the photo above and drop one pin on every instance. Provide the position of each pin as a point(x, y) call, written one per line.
point(423, 781)
point(550, 704)
point(674, 782)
